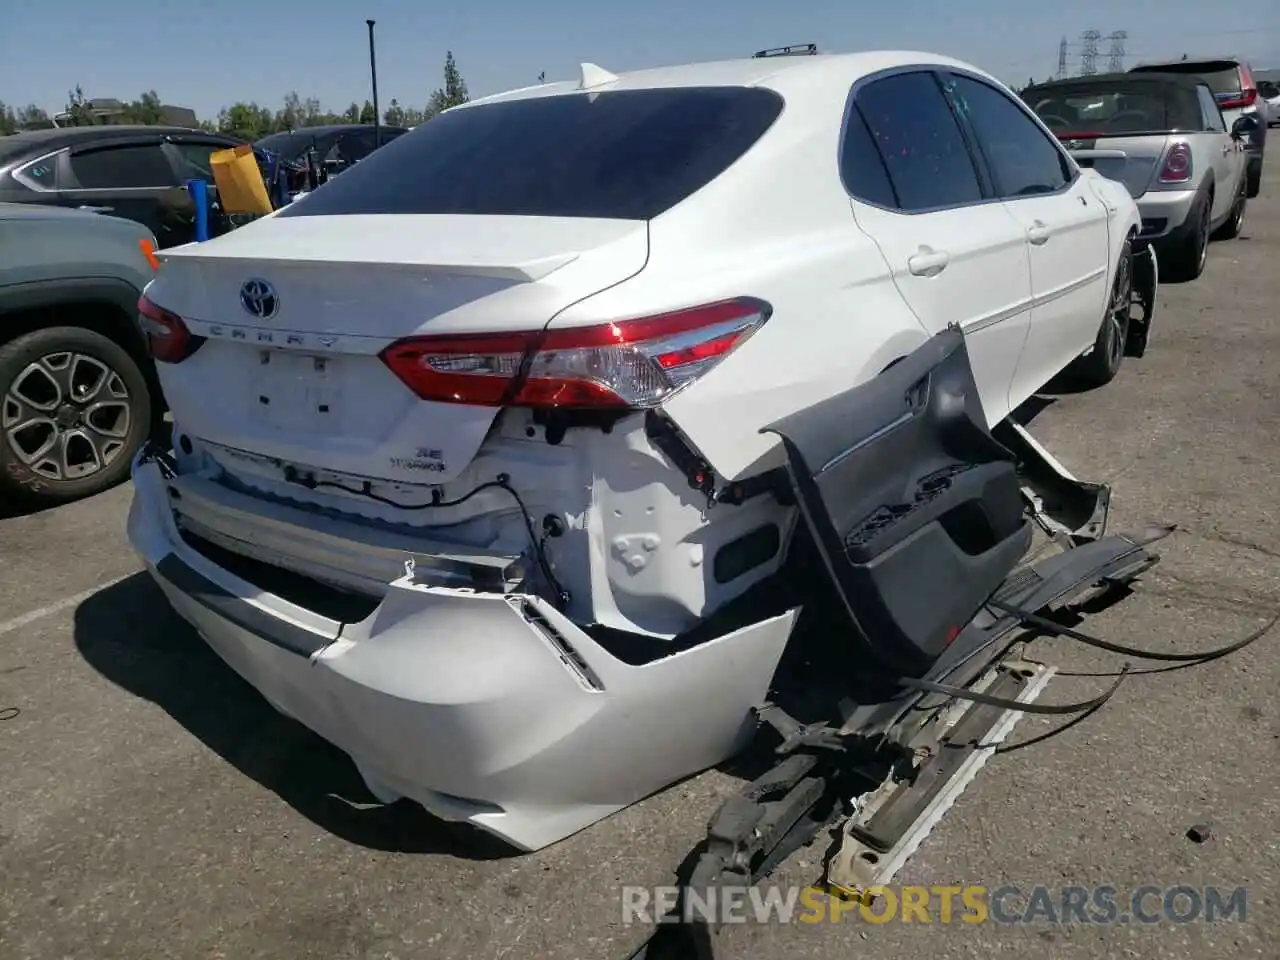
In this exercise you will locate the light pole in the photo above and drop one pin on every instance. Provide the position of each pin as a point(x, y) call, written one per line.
point(373, 72)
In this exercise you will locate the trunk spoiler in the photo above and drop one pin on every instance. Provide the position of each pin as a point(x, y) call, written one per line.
point(527, 271)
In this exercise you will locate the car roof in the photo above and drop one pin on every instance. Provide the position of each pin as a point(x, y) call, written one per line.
point(328, 128)
point(782, 74)
point(1190, 61)
point(1120, 79)
point(56, 138)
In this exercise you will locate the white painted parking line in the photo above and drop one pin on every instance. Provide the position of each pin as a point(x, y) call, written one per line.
point(65, 603)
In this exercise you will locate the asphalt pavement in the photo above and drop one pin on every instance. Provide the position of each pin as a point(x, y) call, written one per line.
point(153, 806)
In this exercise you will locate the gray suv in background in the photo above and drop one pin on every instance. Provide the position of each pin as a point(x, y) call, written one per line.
point(78, 391)
point(1232, 83)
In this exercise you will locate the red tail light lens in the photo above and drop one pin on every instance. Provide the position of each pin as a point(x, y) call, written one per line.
point(1177, 164)
point(168, 339)
point(627, 364)
point(1248, 92)
point(1248, 97)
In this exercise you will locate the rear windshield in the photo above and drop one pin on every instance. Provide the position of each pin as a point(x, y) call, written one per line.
point(1115, 109)
point(626, 155)
point(1268, 89)
point(1222, 76)
point(292, 144)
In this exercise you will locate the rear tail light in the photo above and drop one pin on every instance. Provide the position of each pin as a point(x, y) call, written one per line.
point(1177, 164)
point(622, 365)
point(1248, 97)
point(168, 339)
point(1248, 92)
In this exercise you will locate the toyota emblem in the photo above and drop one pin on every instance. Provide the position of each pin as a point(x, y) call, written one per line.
point(259, 299)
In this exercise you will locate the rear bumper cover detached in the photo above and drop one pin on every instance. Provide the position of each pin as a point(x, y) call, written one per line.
point(487, 708)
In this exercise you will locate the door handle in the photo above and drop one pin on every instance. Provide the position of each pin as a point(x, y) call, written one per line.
point(1039, 233)
point(95, 209)
point(928, 262)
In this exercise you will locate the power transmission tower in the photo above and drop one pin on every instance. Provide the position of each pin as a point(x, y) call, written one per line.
point(1089, 52)
point(1115, 56)
point(1062, 58)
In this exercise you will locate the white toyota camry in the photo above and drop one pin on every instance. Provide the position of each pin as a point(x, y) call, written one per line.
point(473, 466)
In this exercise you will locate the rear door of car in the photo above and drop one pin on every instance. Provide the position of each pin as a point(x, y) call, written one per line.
point(955, 255)
point(1064, 224)
point(127, 178)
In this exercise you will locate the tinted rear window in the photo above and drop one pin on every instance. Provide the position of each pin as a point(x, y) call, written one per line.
point(626, 155)
point(292, 144)
point(1222, 76)
point(1115, 109)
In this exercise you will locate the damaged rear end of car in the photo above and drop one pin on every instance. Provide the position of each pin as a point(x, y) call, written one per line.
point(441, 530)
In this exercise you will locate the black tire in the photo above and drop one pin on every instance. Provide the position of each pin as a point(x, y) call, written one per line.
point(1253, 179)
point(1100, 366)
point(1183, 256)
point(43, 376)
point(1235, 221)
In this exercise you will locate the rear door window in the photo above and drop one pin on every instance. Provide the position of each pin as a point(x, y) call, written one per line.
point(919, 140)
point(131, 167)
point(627, 154)
point(1024, 162)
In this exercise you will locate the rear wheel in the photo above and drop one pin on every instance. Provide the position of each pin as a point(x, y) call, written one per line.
point(1184, 255)
point(74, 409)
point(1100, 365)
point(1254, 179)
point(1235, 222)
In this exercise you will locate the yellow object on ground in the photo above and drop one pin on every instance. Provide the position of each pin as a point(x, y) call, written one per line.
point(239, 181)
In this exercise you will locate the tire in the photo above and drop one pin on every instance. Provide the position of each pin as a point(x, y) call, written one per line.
point(1253, 179)
point(57, 442)
point(1235, 222)
point(1100, 366)
point(1184, 255)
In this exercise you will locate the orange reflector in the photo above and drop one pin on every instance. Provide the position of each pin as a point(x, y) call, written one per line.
point(149, 251)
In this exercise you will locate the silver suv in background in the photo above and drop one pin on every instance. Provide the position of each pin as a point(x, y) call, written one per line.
point(1232, 83)
point(1165, 138)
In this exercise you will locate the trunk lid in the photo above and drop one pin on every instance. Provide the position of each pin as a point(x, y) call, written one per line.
point(1131, 160)
point(296, 310)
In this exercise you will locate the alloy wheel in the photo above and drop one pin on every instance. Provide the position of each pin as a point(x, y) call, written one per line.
point(1121, 311)
point(66, 416)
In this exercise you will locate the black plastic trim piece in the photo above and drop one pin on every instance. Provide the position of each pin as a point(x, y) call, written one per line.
point(243, 614)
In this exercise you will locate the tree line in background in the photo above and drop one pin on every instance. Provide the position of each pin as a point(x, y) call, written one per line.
point(247, 120)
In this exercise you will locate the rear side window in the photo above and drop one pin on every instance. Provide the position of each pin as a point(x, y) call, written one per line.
point(1023, 160)
point(920, 141)
point(862, 168)
point(1210, 111)
point(131, 167)
point(627, 155)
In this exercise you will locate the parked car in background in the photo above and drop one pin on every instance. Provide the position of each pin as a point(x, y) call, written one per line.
point(135, 172)
point(1232, 83)
point(1269, 91)
point(78, 392)
point(479, 394)
point(1165, 138)
point(336, 147)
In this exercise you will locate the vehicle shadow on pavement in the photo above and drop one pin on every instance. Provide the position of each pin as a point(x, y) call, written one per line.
point(131, 636)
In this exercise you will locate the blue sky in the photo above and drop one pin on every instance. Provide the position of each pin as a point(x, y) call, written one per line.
point(206, 54)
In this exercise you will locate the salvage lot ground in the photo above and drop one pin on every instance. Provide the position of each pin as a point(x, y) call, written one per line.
point(152, 806)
